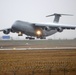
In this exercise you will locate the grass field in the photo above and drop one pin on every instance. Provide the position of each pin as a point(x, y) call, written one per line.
point(38, 62)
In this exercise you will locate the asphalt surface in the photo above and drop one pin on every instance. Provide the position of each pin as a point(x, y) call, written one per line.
point(37, 44)
point(34, 48)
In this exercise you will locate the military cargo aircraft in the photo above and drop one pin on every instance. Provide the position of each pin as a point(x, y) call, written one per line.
point(39, 30)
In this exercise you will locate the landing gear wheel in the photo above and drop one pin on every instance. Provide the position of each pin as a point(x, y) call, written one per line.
point(30, 38)
point(42, 37)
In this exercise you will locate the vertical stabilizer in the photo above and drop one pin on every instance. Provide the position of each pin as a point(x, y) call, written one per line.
point(57, 16)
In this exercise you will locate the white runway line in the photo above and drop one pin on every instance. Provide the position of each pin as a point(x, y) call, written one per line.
point(51, 48)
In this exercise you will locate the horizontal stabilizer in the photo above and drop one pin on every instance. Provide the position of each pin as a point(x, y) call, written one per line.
point(55, 14)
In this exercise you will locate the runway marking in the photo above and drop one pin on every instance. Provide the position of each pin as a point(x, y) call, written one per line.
point(51, 48)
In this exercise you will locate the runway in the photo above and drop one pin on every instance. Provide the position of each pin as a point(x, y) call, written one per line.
point(38, 45)
point(50, 48)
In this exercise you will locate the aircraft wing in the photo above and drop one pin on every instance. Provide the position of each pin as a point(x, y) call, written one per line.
point(5, 29)
point(2, 30)
point(56, 25)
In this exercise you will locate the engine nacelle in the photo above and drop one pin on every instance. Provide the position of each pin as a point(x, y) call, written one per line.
point(47, 28)
point(6, 31)
point(59, 29)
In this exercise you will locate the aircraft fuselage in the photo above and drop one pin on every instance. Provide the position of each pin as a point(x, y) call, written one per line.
point(29, 29)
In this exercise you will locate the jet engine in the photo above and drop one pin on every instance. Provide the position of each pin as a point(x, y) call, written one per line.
point(6, 31)
point(47, 28)
point(59, 29)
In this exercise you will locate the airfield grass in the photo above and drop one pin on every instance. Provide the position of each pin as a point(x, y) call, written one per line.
point(38, 62)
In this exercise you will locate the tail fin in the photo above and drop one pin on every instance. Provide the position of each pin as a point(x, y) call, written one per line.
point(57, 16)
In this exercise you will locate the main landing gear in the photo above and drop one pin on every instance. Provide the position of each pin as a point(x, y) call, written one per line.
point(30, 38)
point(33, 38)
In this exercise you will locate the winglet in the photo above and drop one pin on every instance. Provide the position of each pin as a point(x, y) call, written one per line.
point(57, 16)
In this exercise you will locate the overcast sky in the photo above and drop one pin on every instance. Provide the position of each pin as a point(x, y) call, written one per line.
point(35, 11)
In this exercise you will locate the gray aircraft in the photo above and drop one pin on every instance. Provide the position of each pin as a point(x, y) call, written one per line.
point(39, 30)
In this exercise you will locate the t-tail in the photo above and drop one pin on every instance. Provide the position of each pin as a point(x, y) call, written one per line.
point(57, 16)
